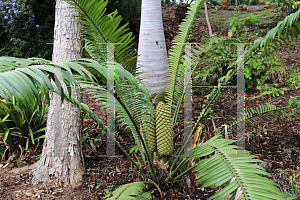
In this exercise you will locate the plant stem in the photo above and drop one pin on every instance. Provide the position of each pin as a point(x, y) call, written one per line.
point(182, 163)
point(130, 158)
point(101, 124)
point(184, 173)
point(165, 159)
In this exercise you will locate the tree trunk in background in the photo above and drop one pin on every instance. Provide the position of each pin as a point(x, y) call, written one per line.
point(61, 162)
point(207, 20)
point(152, 47)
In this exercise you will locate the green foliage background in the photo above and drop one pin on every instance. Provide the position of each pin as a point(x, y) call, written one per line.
point(130, 10)
point(30, 40)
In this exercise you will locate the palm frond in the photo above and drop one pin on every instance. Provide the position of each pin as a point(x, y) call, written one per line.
point(128, 191)
point(232, 168)
point(101, 29)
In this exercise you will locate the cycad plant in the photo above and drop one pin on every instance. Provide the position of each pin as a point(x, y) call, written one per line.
point(128, 191)
point(137, 112)
point(100, 29)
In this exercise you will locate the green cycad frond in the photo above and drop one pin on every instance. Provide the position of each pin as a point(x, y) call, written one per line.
point(290, 24)
point(130, 95)
point(127, 191)
point(131, 100)
point(178, 94)
point(101, 29)
point(206, 108)
point(176, 71)
point(23, 81)
point(128, 104)
point(175, 79)
point(232, 169)
point(9, 63)
point(117, 73)
point(177, 51)
point(267, 112)
point(84, 108)
point(196, 51)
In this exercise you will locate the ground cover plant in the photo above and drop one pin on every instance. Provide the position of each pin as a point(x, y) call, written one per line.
point(151, 124)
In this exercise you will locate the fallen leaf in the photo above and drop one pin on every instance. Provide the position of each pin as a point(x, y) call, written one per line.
point(118, 170)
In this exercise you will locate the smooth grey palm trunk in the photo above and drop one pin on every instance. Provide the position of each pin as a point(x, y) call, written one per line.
point(152, 47)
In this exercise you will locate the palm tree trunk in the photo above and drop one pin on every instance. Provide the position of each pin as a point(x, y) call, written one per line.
point(152, 47)
point(61, 161)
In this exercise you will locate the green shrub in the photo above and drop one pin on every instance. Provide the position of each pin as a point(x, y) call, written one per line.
point(262, 72)
point(263, 69)
point(217, 63)
point(21, 123)
point(291, 6)
point(168, 2)
point(27, 27)
point(294, 79)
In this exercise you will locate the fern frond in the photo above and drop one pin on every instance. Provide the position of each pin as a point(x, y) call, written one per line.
point(232, 168)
